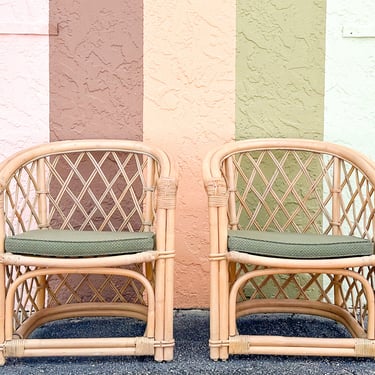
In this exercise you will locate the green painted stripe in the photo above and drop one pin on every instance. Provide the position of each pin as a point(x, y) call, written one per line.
point(280, 76)
point(280, 69)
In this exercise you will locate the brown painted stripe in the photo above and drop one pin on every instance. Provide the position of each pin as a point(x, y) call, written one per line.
point(96, 69)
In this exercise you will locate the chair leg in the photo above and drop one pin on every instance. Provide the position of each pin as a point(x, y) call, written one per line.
point(159, 309)
point(168, 310)
point(219, 311)
point(2, 345)
point(2, 314)
point(224, 310)
point(214, 310)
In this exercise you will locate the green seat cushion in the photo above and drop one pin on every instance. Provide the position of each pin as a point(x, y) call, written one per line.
point(296, 245)
point(66, 243)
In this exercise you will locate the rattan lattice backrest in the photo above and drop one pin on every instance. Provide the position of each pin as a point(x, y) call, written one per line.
point(111, 187)
point(298, 188)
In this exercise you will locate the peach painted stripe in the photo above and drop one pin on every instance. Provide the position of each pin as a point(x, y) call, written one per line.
point(189, 81)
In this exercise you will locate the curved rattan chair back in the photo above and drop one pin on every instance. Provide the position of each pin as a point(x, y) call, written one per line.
point(293, 190)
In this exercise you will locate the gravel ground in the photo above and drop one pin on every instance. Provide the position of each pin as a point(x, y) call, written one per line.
point(192, 354)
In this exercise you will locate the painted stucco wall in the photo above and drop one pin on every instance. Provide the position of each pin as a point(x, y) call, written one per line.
point(189, 57)
point(280, 68)
point(24, 85)
point(96, 75)
point(189, 81)
point(350, 75)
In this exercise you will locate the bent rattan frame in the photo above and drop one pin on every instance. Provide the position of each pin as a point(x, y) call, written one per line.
point(290, 185)
point(111, 185)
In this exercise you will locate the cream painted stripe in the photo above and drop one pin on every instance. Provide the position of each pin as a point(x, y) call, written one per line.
point(189, 62)
point(24, 64)
point(350, 75)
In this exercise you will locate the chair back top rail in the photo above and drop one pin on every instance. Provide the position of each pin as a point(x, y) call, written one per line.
point(213, 161)
point(13, 162)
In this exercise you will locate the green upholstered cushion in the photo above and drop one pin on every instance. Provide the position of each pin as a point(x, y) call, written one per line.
point(296, 245)
point(66, 243)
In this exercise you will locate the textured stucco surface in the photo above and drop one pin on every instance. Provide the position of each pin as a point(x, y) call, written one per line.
point(24, 89)
point(96, 75)
point(280, 68)
point(189, 85)
point(189, 59)
point(350, 75)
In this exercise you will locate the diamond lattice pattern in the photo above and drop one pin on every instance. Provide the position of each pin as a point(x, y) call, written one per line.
point(111, 191)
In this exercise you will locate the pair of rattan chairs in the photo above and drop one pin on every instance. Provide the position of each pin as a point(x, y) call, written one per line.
point(87, 229)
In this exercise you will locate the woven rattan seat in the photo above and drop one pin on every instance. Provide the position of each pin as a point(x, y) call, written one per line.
point(86, 230)
point(297, 245)
point(292, 226)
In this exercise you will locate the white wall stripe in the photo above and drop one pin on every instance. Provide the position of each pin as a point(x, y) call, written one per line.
point(24, 76)
point(350, 75)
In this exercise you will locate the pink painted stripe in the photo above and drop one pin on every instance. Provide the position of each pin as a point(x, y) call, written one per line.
point(96, 70)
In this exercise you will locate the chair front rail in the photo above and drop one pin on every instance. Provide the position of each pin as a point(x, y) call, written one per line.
point(368, 291)
point(108, 261)
point(10, 298)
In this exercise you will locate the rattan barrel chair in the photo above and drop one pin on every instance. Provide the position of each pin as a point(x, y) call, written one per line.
point(291, 231)
point(87, 229)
